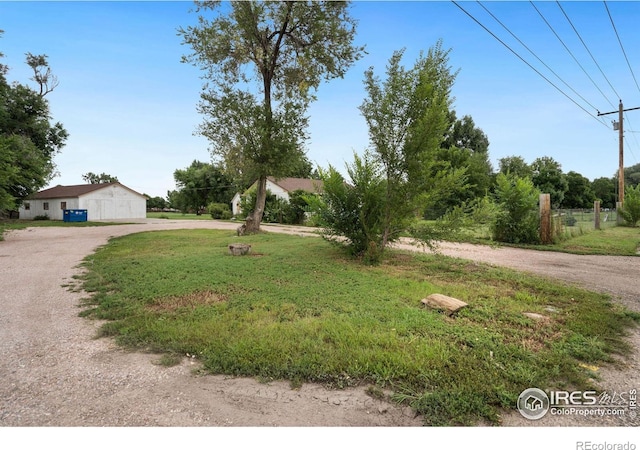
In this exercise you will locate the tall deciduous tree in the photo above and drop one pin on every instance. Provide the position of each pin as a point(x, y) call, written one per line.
point(632, 175)
point(28, 139)
point(155, 202)
point(605, 190)
point(466, 147)
point(407, 119)
point(549, 179)
point(579, 192)
point(516, 166)
point(263, 63)
point(200, 184)
point(93, 178)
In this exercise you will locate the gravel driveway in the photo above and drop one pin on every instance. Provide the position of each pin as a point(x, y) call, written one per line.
point(53, 373)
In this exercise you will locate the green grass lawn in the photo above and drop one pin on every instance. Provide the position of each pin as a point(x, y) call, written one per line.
point(610, 240)
point(298, 309)
point(617, 240)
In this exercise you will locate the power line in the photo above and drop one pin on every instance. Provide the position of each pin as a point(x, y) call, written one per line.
point(524, 61)
point(621, 46)
point(587, 48)
point(630, 69)
point(634, 137)
point(536, 56)
point(571, 53)
point(629, 147)
point(632, 74)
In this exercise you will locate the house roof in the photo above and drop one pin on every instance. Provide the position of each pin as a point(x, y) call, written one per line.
point(295, 184)
point(74, 191)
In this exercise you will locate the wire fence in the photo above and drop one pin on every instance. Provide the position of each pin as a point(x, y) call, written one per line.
point(584, 219)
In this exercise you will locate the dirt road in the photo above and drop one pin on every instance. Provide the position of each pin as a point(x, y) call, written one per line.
point(53, 373)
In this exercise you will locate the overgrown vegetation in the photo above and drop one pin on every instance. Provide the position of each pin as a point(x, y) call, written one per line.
point(631, 210)
point(516, 220)
point(308, 314)
point(276, 209)
point(401, 176)
point(29, 140)
point(219, 211)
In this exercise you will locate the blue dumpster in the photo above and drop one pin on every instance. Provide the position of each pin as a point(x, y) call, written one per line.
point(75, 215)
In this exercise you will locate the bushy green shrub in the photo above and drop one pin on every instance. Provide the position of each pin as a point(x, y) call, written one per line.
point(354, 210)
point(219, 211)
point(41, 217)
point(516, 220)
point(278, 210)
point(631, 210)
point(298, 207)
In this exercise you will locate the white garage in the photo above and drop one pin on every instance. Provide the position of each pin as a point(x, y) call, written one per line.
point(108, 201)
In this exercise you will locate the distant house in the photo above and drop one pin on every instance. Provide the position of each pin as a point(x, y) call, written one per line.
point(106, 201)
point(281, 188)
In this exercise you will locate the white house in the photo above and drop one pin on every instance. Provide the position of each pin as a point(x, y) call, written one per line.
point(106, 201)
point(281, 188)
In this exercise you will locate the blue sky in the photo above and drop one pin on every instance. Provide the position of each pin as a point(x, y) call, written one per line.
point(130, 105)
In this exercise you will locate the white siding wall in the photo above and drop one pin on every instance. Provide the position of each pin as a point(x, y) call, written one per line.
point(277, 191)
point(235, 204)
point(113, 202)
point(273, 188)
point(36, 208)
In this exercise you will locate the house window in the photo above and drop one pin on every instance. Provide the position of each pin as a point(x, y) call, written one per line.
point(27, 206)
point(63, 205)
point(45, 206)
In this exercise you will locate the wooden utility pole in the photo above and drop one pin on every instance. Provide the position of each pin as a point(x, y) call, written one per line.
point(621, 156)
point(620, 129)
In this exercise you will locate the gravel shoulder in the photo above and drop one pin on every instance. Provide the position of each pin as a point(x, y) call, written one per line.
point(54, 373)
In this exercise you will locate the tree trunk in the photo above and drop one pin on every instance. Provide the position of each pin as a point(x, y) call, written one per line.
point(252, 224)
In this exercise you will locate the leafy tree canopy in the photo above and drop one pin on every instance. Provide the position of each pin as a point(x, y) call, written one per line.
point(466, 147)
point(605, 190)
point(199, 185)
point(549, 179)
point(93, 178)
point(579, 192)
point(263, 62)
point(632, 175)
point(463, 133)
point(29, 140)
point(631, 210)
point(407, 116)
point(156, 202)
point(516, 166)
